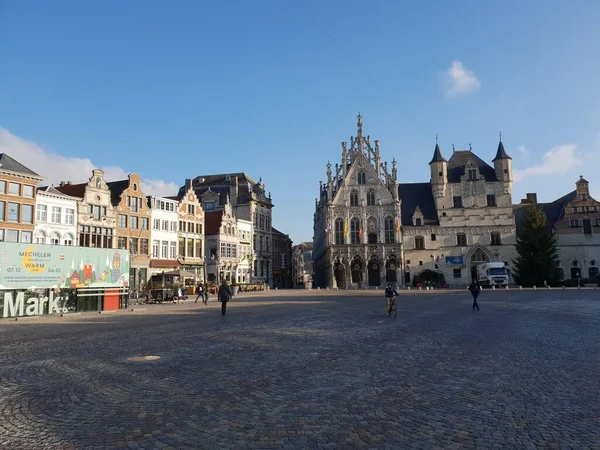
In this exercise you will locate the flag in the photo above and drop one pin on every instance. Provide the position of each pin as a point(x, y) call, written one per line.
point(345, 229)
point(359, 231)
point(328, 229)
point(397, 226)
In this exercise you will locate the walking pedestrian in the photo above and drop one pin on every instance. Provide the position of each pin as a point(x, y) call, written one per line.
point(475, 289)
point(200, 293)
point(224, 296)
point(205, 293)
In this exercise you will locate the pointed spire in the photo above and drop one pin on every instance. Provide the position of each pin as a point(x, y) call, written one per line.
point(501, 153)
point(437, 153)
point(359, 134)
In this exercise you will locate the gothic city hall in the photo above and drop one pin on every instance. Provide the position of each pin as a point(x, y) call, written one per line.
point(369, 229)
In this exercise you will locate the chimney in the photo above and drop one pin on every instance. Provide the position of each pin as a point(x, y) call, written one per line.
point(62, 183)
point(233, 190)
point(69, 183)
point(531, 198)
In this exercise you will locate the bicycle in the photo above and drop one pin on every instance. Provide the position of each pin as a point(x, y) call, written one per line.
point(392, 307)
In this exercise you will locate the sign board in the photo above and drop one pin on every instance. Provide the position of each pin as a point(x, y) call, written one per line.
point(454, 260)
point(36, 266)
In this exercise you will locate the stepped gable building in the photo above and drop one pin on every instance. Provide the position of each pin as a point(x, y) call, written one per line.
point(18, 188)
point(575, 221)
point(164, 221)
point(191, 231)
point(357, 235)
point(133, 226)
point(249, 202)
point(461, 218)
point(370, 229)
point(96, 217)
point(55, 217)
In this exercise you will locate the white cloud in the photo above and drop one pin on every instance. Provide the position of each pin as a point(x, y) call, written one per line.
point(559, 161)
point(56, 168)
point(522, 149)
point(460, 80)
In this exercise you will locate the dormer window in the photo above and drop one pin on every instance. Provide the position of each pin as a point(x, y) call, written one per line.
point(418, 222)
point(362, 177)
point(471, 174)
point(98, 182)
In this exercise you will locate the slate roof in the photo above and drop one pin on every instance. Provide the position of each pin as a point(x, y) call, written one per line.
point(501, 153)
point(220, 184)
point(276, 231)
point(417, 194)
point(52, 190)
point(554, 211)
point(8, 163)
point(212, 222)
point(116, 189)
point(437, 155)
point(458, 161)
point(74, 190)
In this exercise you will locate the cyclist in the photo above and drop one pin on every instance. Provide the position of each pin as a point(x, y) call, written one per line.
point(390, 292)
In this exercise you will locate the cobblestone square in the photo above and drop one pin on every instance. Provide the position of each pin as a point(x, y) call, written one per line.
point(310, 369)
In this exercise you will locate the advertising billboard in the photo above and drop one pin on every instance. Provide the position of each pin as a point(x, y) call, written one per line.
point(37, 266)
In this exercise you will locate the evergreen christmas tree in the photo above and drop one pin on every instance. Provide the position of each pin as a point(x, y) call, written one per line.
point(537, 255)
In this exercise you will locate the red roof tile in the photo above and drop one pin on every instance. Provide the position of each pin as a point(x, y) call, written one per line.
point(212, 222)
point(74, 190)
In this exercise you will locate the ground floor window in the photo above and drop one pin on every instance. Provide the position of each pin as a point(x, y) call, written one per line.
point(457, 273)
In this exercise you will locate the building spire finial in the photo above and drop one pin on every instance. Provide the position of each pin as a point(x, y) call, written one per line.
point(436, 139)
point(453, 148)
point(470, 147)
point(501, 136)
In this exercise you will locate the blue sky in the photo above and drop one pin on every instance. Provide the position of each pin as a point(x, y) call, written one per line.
point(172, 90)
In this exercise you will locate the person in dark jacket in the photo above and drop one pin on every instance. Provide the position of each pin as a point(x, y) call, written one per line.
point(389, 293)
point(200, 292)
point(475, 289)
point(224, 296)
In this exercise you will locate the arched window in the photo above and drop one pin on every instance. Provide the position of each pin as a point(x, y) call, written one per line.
point(68, 240)
point(339, 232)
point(355, 231)
point(371, 197)
point(362, 177)
point(40, 237)
point(55, 239)
point(354, 198)
point(418, 221)
point(388, 225)
point(419, 243)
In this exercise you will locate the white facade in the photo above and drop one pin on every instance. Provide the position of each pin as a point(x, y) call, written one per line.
point(56, 218)
point(245, 251)
point(164, 225)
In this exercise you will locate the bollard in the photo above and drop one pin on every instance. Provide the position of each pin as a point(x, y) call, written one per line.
point(506, 287)
point(408, 287)
point(548, 286)
point(534, 287)
point(327, 287)
point(521, 288)
point(564, 286)
point(420, 288)
point(319, 288)
point(276, 288)
point(493, 288)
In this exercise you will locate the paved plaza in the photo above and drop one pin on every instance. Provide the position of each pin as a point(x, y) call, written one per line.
point(318, 369)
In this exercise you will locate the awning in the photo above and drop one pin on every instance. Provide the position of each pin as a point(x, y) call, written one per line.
point(164, 263)
point(182, 274)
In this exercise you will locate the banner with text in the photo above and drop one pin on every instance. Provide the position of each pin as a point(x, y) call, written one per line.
point(35, 266)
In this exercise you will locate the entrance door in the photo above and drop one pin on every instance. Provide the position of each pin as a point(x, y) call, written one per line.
point(575, 273)
point(374, 274)
point(478, 257)
point(340, 279)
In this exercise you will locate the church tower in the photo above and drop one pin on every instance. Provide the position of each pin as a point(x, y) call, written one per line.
point(439, 173)
point(503, 165)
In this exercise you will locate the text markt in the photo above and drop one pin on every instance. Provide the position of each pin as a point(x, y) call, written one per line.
point(32, 307)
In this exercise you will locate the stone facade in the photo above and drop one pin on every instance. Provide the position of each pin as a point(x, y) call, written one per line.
point(164, 223)
point(133, 226)
point(249, 201)
point(575, 221)
point(222, 242)
point(55, 217)
point(191, 231)
point(245, 251)
point(96, 216)
point(18, 186)
point(357, 238)
point(370, 229)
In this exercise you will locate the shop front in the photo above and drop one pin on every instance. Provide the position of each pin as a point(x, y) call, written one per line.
point(38, 279)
